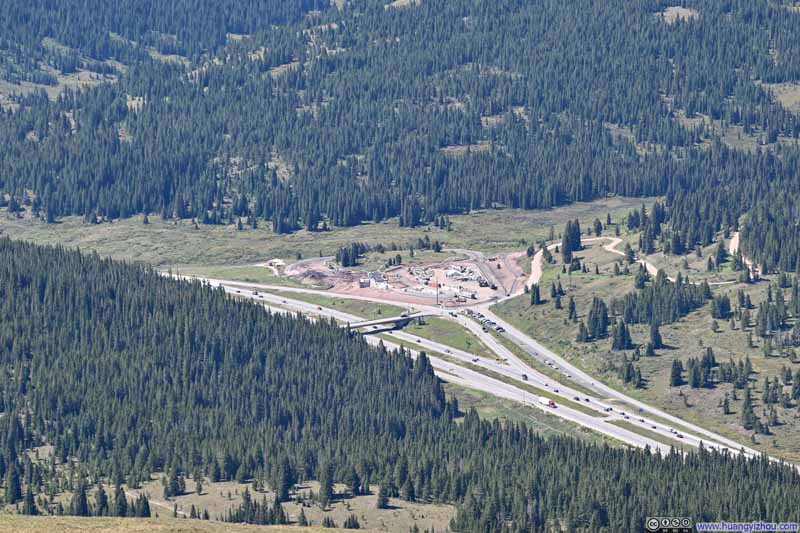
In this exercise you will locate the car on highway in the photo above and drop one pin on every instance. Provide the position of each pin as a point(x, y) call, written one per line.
point(653, 427)
point(555, 390)
point(587, 400)
point(576, 398)
point(319, 308)
point(524, 377)
point(419, 341)
point(680, 436)
point(475, 360)
point(446, 351)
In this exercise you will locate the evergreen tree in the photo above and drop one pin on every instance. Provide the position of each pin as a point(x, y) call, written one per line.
point(120, 502)
point(598, 319)
point(79, 505)
point(536, 298)
point(101, 501)
point(29, 504)
point(655, 337)
point(351, 522)
point(13, 492)
point(621, 339)
point(383, 498)
point(676, 374)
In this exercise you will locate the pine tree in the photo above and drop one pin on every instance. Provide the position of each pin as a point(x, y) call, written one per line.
point(676, 374)
point(655, 337)
point(649, 350)
point(351, 522)
point(13, 491)
point(383, 498)
point(748, 417)
point(621, 337)
point(536, 298)
point(583, 333)
point(598, 319)
point(101, 501)
point(326, 485)
point(29, 505)
point(120, 502)
point(79, 505)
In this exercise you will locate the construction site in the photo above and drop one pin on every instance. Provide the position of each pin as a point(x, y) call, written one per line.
point(466, 279)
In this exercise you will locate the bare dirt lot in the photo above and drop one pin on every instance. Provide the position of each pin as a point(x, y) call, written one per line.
point(452, 281)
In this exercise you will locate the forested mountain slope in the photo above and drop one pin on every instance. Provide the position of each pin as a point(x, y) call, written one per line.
point(364, 113)
point(128, 372)
point(71, 34)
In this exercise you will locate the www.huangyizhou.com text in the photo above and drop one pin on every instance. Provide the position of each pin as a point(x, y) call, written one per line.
point(747, 526)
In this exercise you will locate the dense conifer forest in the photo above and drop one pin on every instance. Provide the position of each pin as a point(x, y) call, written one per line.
point(127, 372)
point(324, 116)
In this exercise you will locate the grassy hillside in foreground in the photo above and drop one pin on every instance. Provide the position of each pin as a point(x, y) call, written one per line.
point(68, 524)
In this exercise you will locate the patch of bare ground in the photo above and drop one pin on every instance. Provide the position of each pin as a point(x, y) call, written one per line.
point(402, 3)
point(168, 58)
point(134, 103)
point(465, 149)
point(733, 135)
point(283, 69)
point(787, 94)
point(673, 14)
point(80, 78)
point(795, 7)
point(626, 134)
point(218, 497)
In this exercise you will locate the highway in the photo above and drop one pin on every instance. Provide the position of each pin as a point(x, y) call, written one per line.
point(507, 376)
point(455, 373)
point(516, 377)
point(510, 368)
point(402, 319)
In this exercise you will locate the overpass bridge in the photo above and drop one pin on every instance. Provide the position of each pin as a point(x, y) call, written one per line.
point(396, 321)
